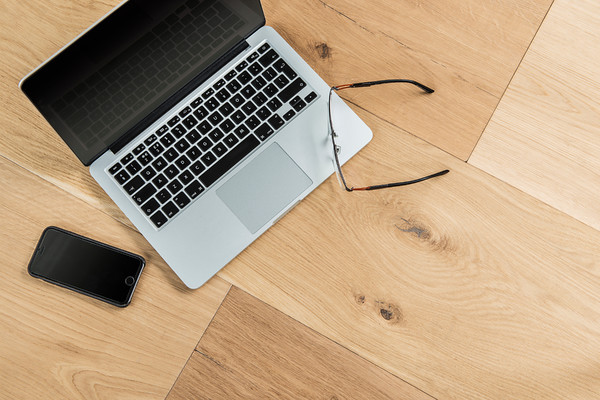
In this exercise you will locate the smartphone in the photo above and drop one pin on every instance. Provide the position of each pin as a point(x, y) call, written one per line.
point(86, 266)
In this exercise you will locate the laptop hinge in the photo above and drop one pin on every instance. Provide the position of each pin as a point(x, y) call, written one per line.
point(132, 133)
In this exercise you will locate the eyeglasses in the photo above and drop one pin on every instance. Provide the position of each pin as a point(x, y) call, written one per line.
point(336, 148)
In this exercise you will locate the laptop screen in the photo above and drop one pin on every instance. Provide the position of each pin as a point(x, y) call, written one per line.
point(122, 69)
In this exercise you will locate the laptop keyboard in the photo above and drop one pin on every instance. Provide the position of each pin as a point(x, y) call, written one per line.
point(167, 170)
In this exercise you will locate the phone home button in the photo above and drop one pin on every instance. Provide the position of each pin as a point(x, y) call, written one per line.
point(129, 281)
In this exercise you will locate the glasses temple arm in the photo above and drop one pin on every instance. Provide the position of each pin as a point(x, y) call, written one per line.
point(373, 83)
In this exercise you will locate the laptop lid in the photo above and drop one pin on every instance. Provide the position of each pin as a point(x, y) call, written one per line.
point(118, 77)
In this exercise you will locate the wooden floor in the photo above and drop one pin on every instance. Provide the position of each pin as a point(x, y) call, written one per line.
point(482, 284)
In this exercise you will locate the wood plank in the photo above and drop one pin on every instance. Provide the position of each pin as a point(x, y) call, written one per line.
point(251, 350)
point(543, 138)
point(463, 286)
point(466, 50)
point(58, 344)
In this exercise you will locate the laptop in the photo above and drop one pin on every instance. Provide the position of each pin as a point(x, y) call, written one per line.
point(201, 123)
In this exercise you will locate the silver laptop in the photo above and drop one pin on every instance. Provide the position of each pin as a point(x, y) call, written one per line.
point(201, 123)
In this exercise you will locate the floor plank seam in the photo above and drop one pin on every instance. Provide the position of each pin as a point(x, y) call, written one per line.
point(316, 332)
point(510, 81)
point(198, 342)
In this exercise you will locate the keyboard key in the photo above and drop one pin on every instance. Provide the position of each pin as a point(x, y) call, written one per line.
point(185, 112)
point(230, 140)
point(125, 160)
point(194, 189)
point(175, 186)
point(226, 126)
point(264, 131)
point(115, 168)
point(182, 162)
point(222, 95)
point(269, 74)
point(230, 75)
point(241, 131)
point(174, 121)
point(248, 91)
point(288, 115)
point(150, 140)
point(215, 118)
point(219, 149)
point(178, 131)
point(182, 145)
point(226, 109)
point(282, 66)
point(237, 100)
point(197, 168)
point(134, 185)
point(204, 127)
point(259, 83)
point(220, 83)
point(139, 149)
point(133, 167)
point(249, 108)
point(264, 48)
point(160, 181)
point(276, 122)
point(190, 122)
point(122, 177)
point(241, 66)
point(208, 158)
point(144, 194)
point(310, 97)
point(212, 104)
point(201, 113)
point(229, 161)
point(159, 219)
point(150, 206)
point(162, 130)
point(170, 209)
point(171, 154)
point(193, 153)
point(299, 105)
point(208, 93)
point(255, 69)
point(234, 86)
point(181, 200)
point(216, 135)
point(291, 90)
point(260, 99)
point(196, 103)
point(252, 122)
point(156, 149)
point(185, 177)
point(205, 144)
point(270, 90)
point(171, 171)
point(263, 113)
point(145, 158)
point(238, 117)
point(167, 140)
point(193, 136)
point(274, 104)
point(268, 58)
point(244, 77)
point(253, 56)
point(163, 196)
point(281, 81)
point(148, 173)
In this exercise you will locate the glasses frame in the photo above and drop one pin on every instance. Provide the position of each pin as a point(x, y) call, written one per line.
point(337, 148)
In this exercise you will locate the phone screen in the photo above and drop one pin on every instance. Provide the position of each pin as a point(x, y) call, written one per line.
point(86, 266)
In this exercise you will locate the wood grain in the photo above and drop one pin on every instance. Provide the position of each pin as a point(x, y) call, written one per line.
point(463, 286)
point(543, 138)
point(57, 344)
point(252, 351)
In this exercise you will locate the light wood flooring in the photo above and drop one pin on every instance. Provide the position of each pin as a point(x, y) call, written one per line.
point(481, 284)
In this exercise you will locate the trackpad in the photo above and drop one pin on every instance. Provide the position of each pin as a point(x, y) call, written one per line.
point(264, 187)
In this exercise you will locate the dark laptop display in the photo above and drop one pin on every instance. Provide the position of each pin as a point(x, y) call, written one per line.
point(134, 63)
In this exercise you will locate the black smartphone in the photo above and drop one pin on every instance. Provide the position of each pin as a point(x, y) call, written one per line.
point(86, 266)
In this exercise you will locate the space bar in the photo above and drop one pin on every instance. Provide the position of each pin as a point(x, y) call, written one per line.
point(229, 160)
